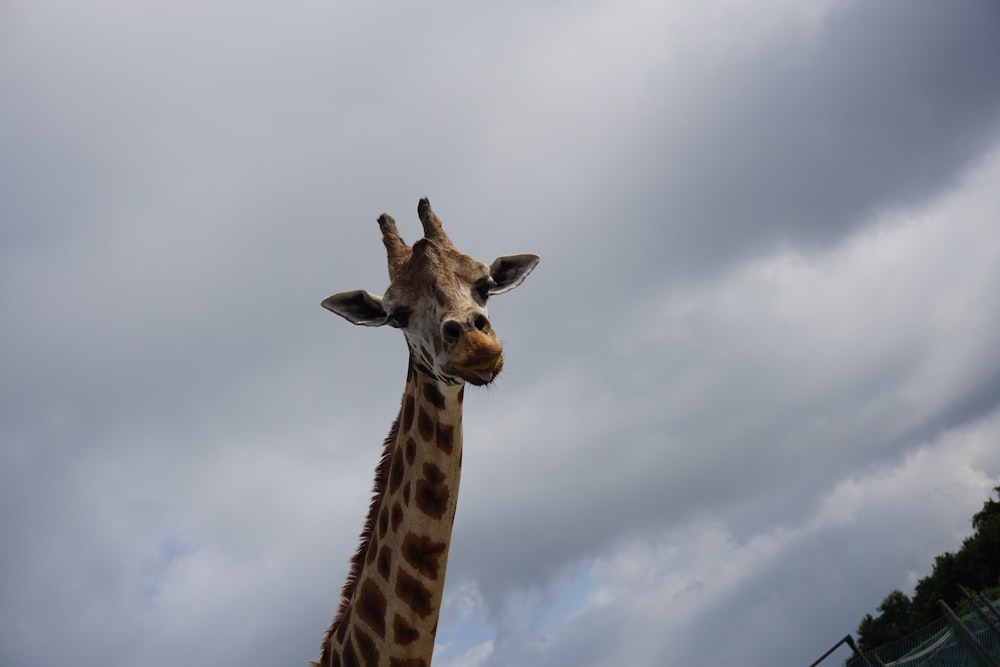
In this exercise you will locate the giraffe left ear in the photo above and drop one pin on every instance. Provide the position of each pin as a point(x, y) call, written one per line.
point(510, 271)
point(358, 307)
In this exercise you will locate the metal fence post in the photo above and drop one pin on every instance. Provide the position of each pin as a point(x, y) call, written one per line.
point(970, 638)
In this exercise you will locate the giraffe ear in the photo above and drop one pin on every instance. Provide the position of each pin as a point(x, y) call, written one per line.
point(358, 307)
point(510, 271)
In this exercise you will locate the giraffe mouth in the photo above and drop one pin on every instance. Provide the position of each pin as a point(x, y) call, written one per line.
point(481, 374)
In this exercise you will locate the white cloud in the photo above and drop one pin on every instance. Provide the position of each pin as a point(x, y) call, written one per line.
point(474, 657)
point(671, 594)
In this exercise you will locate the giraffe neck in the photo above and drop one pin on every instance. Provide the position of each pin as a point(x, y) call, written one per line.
point(389, 612)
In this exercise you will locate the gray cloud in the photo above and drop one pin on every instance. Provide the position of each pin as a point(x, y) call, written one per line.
point(768, 252)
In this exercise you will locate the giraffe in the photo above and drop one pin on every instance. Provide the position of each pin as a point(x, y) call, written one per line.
point(437, 296)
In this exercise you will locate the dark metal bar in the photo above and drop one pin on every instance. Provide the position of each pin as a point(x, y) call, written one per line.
point(996, 612)
point(857, 652)
point(974, 599)
point(970, 638)
point(850, 642)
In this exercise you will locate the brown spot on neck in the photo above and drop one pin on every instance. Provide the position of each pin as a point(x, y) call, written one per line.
point(412, 591)
point(350, 657)
point(433, 395)
point(407, 662)
point(396, 472)
point(366, 648)
point(433, 493)
point(344, 622)
point(444, 438)
point(409, 409)
point(425, 425)
point(403, 632)
point(397, 516)
point(424, 554)
point(385, 562)
point(371, 607)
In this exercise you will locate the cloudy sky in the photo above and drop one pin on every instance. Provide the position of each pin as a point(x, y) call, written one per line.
point(753, 386)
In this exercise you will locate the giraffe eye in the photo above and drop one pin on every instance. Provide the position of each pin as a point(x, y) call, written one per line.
point(399, 318)
point(483, 288)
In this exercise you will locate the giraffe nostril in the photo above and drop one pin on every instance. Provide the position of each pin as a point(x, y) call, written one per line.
point(451, 331)
point(482, 323)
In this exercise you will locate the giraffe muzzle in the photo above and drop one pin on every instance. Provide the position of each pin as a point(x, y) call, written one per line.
point(482, 373)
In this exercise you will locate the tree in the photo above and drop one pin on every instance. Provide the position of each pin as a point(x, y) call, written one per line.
point(990, 511)
point(892, 623)
point(975, 565)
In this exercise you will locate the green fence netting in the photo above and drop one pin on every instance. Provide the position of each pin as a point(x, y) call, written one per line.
point(968, 636)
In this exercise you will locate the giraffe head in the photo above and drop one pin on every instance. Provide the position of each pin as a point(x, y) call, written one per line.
point(437, 297)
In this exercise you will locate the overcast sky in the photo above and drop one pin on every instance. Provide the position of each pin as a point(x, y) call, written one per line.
point(752, 387)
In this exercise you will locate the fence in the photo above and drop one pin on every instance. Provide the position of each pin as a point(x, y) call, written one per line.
point(969, 636)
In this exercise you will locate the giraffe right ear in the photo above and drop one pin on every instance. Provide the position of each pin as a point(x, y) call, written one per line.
point(510, 271)
point(358, 307)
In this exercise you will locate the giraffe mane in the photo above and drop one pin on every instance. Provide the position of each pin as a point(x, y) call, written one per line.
point(357, 560)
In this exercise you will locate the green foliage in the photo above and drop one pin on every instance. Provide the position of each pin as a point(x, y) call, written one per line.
point(893, 621)
point(976, 565)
